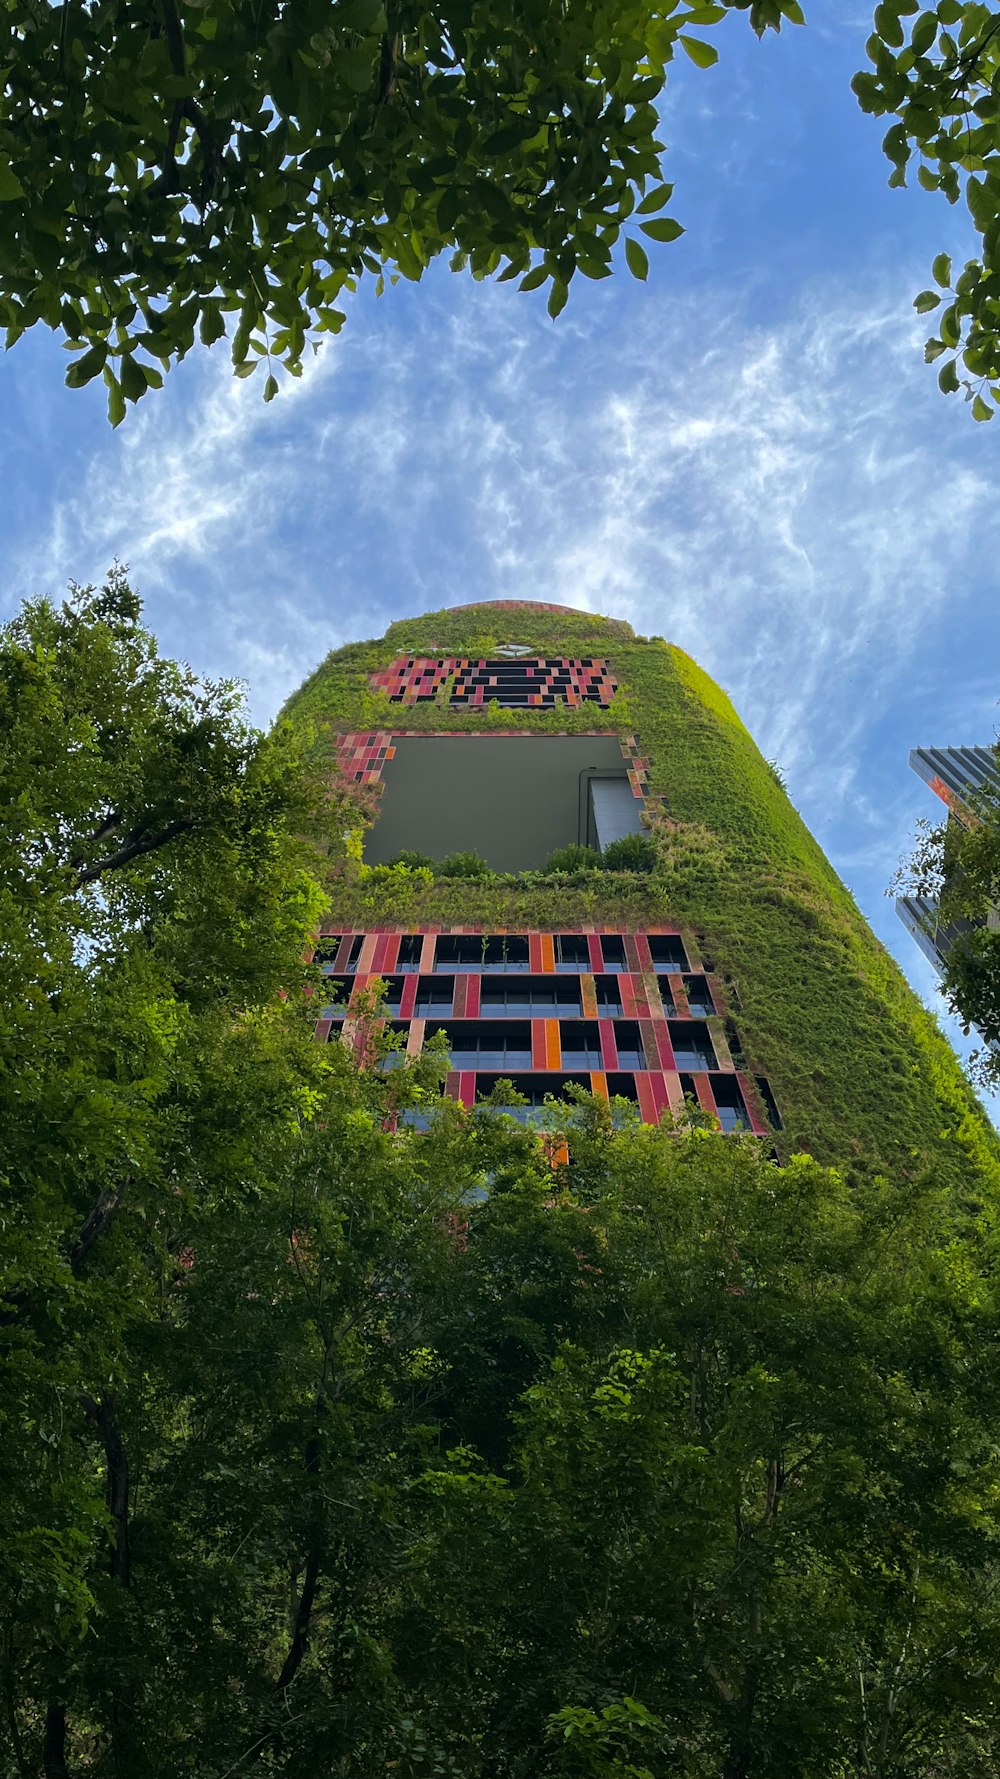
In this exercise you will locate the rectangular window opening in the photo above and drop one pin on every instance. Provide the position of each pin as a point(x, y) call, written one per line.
point(667, 952)
point(580, 1043)
point(769, 1102)
point(692, 1045)
point(730, 1104)
point(628, 1042)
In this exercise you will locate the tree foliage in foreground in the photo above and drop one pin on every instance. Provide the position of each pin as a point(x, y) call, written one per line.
point(333, 1447)
point(169, 170)
point(956, 865)
point(936, 70)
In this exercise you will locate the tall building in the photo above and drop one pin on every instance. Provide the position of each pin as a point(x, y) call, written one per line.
point(737, 973)
point(955, 774)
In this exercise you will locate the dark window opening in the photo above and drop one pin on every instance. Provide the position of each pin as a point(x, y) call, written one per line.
point(688, 1087)
point(325, 954)
point(667, 952)
point(666, 995)
point(733, 1040)
point(622, 1087)
point(354, 954)
point(410, 948)
point(475, 953)
point(506, 953)
point(609, 999)
point(733, 994)
point(730, 1104)
point(580, 1044)
point(480, 1044)
point(613, 952)
point(770, 1103)
point(699, 995)
point(535, 1089)
point(628, 1041)
point(434, 995)
point(530, 995)
point(571, 951)
point(340, 989)
point(692, 1045)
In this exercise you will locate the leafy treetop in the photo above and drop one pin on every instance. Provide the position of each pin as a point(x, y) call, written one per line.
point(937, 72)
point(166, 166)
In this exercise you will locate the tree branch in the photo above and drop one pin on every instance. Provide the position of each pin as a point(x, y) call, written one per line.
point(98, 1220)
point(135, 848)
point(104, 1413)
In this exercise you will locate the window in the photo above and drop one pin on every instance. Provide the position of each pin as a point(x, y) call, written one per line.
point(691, 1044)
point(628, 1040)
point(529, 995)
point(506, 953)
point(464, 953)
point(535, 1089)
point(730, 1104)
point(480, 1044)
point(622, 1087)
point(340, 991)
point(666, 995)
point(326, 952)
point(434, 995)
point(613, 952)
point(770, 1103)
point(667, 952)
point(473, 953)
point(571, 951)
point(699, 995)
point(609, 999)
point(580, 1042)
point(410, 947)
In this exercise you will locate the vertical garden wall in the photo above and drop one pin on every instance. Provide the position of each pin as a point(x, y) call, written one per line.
point(860, 1072)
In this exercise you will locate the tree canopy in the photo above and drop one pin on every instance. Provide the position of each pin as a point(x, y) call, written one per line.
point(937, 71)
point(345, 1431)
point(168, 171)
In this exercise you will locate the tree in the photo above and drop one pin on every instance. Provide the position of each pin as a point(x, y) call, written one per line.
point(166, 168)
point(937, 72)
point(955, 866)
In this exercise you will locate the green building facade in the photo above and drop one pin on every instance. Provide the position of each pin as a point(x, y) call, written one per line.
point(737, 972)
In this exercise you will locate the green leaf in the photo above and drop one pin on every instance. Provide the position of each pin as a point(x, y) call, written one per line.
point(270, 389)
point(924, 32)
point(941, 270)
point(133, 382)
point(534, 278)
point(558, 297)
point(981, 409)
point(116, 399)
point(84, 369)
point(655, 200)
point(10, 185)
point(636, 258)
point(948, 377)
point(927, 300)
point(662, 228)
point(703, 55)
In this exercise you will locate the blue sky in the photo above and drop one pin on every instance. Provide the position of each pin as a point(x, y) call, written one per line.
point(746, 455)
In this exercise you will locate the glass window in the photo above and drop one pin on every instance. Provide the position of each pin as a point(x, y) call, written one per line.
point(613, 952)
point(628, 1040)
point(476, 1044)
point(473, 953)
point(580, 1042)
point(770, 1103)
point(529, 995)
point(325, 954)
point(340, 991)
point(535, 1089)
point(691, 1044)
point(730, 1104)
point(667, 952)
point(571, 951)
point(666, 995)
point(609, 996)
point(434, 995)
point(410, 947)
point(354, 955)
point(699, 995)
